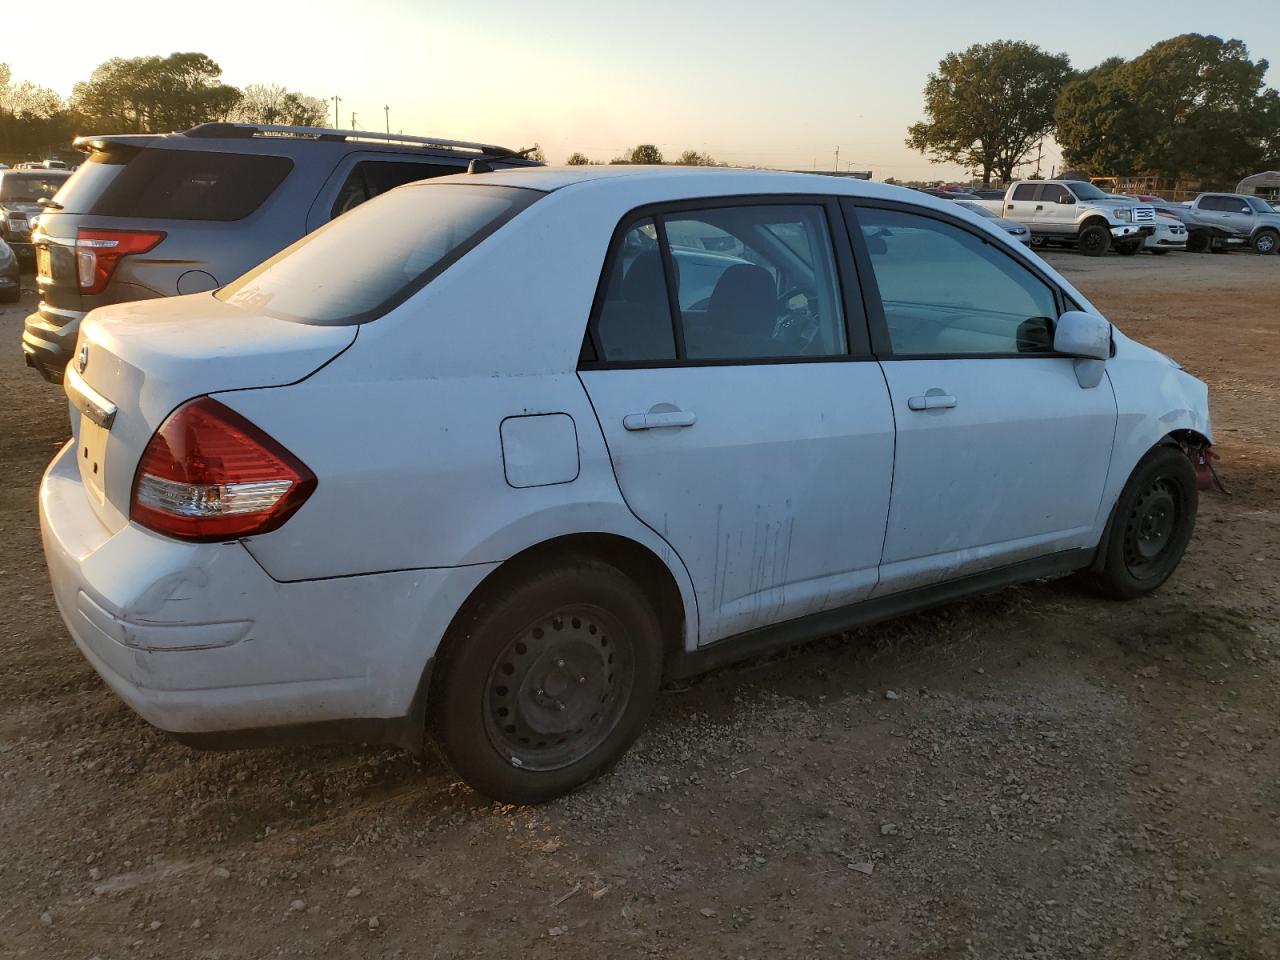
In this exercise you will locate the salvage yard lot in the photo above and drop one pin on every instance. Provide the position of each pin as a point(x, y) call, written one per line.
point(1037, 773)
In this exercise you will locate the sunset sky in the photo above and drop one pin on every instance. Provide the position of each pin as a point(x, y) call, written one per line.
point(778, 84)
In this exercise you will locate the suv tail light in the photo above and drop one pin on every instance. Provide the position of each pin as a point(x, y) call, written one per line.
point(210, 474)
point(99, 252)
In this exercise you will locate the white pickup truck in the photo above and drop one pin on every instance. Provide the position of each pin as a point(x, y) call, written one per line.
point(1075, 213)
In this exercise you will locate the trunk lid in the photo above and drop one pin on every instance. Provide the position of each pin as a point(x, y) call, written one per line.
point(146, 358)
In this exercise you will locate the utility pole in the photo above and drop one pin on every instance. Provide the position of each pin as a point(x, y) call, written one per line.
point(387, 111)
point(353, 120)
point(336, 101)
point(1039, 157)
point(837, 159)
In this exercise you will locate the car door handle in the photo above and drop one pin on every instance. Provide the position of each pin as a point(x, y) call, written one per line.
point(931, 401)
point(666, 418)
point(1040, 207)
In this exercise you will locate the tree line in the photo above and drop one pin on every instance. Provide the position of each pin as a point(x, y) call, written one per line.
point(1190, 105)
point(141, 95)
point(648, 153)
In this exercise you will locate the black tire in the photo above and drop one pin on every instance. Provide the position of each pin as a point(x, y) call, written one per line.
point(1159, 253)
point(1094, 241)
point(546, 680)
point(1198, 242)
point(1039, 242)
point(1128, 249)
point(1265, 242)
point(1152, 525)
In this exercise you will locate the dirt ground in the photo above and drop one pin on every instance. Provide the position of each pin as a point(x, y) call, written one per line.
point(1056, 776)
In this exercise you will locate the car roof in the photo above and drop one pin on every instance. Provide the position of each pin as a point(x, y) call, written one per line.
point(711, 180)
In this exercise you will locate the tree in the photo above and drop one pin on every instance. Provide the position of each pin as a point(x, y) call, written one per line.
point(33, 119)
point(692, 158)
point(272, 103)
point(154, 94)
point(987, 106)
point(577, 160)
point(534, 153)
point(1191, 104)
point(644, 153)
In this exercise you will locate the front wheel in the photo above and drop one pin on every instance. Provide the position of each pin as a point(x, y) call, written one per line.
point(1128, 249)
point(1153, 522)
point(1094, 241)
point(1266, 242)
point(547, 680)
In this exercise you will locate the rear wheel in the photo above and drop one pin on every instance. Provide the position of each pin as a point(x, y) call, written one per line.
point(1266, 242)
point(547, 681)
point(1197, 242)
point(1094, 241)
point(1153, 522)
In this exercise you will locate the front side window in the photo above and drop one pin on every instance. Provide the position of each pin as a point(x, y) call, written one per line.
point(358, 267)
point(947, 292)
point(1055, 193)
point(749, 283)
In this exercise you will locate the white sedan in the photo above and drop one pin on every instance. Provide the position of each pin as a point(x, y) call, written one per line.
point(493, 454)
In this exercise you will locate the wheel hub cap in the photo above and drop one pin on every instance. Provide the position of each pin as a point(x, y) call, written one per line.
point(558, 688)
point(1150, 527)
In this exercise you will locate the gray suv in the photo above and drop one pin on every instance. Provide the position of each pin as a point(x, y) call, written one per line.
point(158, 215)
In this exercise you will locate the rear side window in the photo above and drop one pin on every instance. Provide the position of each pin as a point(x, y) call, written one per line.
point(160, 184)
point(358, 267)
point(1212, 203)
point(369, 178)
point(82, 189)
point(1025, 191)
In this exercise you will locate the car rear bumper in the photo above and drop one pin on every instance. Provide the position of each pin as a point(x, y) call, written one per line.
point(199, 640)
point(49, 338)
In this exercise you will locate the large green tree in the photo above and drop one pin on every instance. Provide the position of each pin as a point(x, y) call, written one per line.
point(34, 122)
point(154, 94)
point(987, 106)
point(1192, 104)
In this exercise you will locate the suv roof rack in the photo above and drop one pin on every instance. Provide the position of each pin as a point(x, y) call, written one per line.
point(212, 130)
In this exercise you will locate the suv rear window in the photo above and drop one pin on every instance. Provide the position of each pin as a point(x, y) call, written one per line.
point(20, 186)
point(161, 184)
point(361, 265)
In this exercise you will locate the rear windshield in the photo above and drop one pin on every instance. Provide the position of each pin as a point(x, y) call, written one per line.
point(361, 265)
point(30, 187)
point(159, 184)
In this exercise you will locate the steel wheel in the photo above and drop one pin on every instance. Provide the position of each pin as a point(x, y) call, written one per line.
point(557, 690)
point(1148, 532)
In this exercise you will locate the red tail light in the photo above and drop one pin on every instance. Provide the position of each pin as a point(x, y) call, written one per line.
point(99, 252)
point(210, 474)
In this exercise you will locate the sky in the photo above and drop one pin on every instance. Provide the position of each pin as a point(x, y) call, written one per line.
point(782, 83)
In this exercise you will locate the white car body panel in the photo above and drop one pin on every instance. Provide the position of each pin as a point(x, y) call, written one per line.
point(337, 614)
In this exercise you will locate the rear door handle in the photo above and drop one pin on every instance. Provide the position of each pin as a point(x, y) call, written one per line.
point(1041, 207)
point(931, 401)
point(651, 421)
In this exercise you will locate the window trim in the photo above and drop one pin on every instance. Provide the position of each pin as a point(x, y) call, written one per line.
point(857, 328)
point(875, 307)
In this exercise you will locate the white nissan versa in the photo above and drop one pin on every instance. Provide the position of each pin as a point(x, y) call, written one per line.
point(492, 454)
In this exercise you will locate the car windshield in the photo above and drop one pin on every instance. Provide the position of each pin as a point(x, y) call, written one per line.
point(1085, 191)
point(978, 209)
point(1260, 205)
point(370, 260)
point(30, 187)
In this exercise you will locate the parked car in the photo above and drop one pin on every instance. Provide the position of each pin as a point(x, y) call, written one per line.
point(20, 194)
point(947, 194)
point(10, 277)
point(1075, 213)
point(159, 215)
point(474, 459)
point(1015, 230)
point(1170, 234)
point(984, 193)
point(1204, 233)
point(1247, 216)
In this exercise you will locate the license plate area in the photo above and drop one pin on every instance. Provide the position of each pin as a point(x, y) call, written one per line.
point(44, 265)
point(91, 454)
